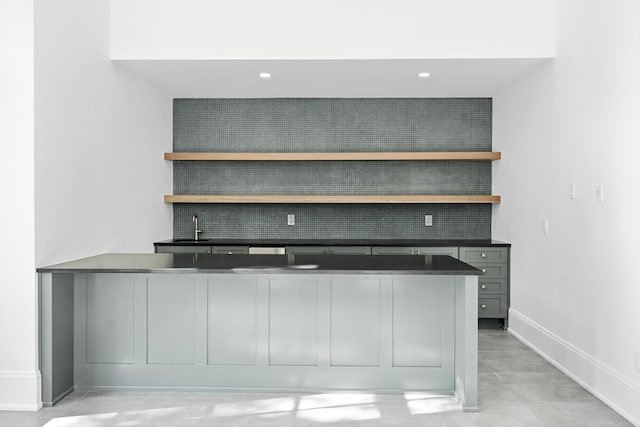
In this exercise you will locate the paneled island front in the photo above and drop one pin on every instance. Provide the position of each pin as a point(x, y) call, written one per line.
point(386, 323)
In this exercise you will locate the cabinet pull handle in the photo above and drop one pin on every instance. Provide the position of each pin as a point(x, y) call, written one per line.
point(483, 306)
point(484, 270)
point(230, 253)
point(411, 251)
point(418, 252)
point(483, 286)
point(483, 255)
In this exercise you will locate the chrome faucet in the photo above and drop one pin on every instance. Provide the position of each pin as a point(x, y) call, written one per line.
point(196, 230)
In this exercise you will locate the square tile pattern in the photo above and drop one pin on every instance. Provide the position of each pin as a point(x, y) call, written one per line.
point(327, 125)
point(516, 388)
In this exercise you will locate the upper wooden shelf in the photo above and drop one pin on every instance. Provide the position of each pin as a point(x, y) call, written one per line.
point(284, 198)
point(432, 155)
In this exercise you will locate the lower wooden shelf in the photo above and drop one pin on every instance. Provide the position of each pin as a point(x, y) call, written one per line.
point(281, 198)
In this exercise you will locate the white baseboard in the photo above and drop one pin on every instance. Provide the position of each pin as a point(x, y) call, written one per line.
point(614, 389)
point(20, 391)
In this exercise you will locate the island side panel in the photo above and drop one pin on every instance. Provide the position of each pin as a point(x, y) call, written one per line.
point(56, 296)
point(466, 335)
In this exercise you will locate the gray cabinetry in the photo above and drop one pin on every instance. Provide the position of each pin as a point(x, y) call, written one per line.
point(202, 249)
point(184, 249)
point(329, 250)
point(405, 250)
point(493, 284)
point(229, 250)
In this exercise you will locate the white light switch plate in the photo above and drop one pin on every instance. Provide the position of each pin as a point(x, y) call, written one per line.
point(428, 220)
point(291, 219)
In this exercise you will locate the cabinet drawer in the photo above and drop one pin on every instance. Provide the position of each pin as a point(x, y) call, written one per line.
point(184, 249)
point(491, 286)
point(229, 250)
point(493, 255)
point(437, 251)
point(306, 250)
point(349, 250)
point(392, 250)
point(492, 307)
point(491, 271)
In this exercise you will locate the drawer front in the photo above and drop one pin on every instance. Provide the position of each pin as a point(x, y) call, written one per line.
point(349, 250)
point(492, 307)
point(391, 250)
point(437, 251)
point(307, 250)
point(491, 271)
point(183, 249)
point(492, 286)
point(229, 250)
point(493, 255)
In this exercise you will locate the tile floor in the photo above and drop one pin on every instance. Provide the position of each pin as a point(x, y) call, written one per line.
point(517, 388)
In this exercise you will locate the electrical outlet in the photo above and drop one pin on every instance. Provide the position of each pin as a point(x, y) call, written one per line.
point(572, 190)
point(428, 220)
point(291, 219)
point(545, 226)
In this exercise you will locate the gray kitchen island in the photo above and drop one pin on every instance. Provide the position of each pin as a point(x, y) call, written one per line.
point(385, 323)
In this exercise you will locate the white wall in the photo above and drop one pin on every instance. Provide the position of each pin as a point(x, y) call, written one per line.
point(19, 379)
point(331, 29)
point(575, 293)
point(100, 137)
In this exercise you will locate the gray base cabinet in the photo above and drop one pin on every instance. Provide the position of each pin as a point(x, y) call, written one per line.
point(183, 249)
point(328, 250)
point(493, 284)
point(204, 249)
point(406, 250)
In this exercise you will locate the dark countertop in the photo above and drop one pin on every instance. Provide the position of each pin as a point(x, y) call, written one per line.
point(265, 264)
point(331, 242)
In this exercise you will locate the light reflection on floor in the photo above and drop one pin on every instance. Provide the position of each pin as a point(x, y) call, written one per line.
point(320, 408)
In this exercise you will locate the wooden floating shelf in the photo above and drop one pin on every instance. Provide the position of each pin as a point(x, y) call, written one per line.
point(327, 199)
point(476, 155)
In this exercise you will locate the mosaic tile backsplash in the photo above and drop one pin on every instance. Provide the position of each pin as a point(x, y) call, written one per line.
point(317, 125)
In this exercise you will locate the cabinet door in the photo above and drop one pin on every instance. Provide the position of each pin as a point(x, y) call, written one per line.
point(451, 251)
point(391, 250)
point(187, 249)
point(307, 250)
point(349, 250)
point(229, 250)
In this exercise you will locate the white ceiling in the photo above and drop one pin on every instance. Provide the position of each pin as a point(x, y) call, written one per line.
point(331, 78)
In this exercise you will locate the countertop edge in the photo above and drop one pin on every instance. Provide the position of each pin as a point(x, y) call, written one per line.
point(263, 264)
point(319, 242)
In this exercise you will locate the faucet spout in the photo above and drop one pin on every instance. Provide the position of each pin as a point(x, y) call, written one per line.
point(196, 229)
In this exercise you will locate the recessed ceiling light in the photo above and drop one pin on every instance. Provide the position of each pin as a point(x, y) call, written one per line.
point(265, 75)
point(424, 74)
